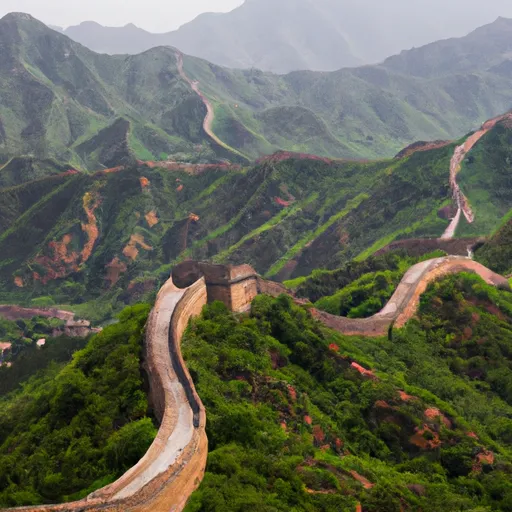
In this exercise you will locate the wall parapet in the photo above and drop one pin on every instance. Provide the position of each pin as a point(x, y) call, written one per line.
point(174, 465)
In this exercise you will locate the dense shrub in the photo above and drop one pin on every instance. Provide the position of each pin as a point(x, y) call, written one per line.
point(74, 428)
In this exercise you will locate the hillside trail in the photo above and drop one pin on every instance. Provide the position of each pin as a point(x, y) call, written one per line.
point(210, 112)
point(463, 206)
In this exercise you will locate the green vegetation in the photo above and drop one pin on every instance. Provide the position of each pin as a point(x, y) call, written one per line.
point(299, 246)
point(33, 359)
point(376, 274)
point(73, 428)
point(496, 253)
point(365, 295)
point(306, 213)
point(486, 180)
point(116, 107)
point(24, 333)
point(292, 425)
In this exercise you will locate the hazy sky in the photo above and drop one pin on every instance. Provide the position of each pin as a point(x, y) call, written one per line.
point(153, 15)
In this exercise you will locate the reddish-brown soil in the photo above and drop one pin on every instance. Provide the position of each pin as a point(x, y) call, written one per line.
point(114, 270)
point(363, 371)
point(131, 250)
point(152, 218)
point(282, 202)
point(425, 438)
point(485, 458)
point(60, 263)
point(362, 480)
point(91, 202)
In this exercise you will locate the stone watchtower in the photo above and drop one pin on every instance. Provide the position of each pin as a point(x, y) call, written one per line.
point(236, 287)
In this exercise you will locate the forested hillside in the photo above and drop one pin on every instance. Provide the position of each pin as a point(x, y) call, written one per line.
point(74, 237)
point(76, 426)
point(302, 418)
point(115, 234)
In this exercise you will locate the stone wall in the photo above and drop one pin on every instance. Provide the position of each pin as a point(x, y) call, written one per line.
point(404, 303)
point(158, 482)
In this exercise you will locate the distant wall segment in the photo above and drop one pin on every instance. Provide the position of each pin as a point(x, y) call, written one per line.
point(404, 303)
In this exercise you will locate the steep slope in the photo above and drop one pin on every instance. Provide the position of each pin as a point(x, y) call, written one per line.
point(496, 253)
point(115, 233)
point(75, 427)
point(321, 35)
point(57, 96)
point(80, 236)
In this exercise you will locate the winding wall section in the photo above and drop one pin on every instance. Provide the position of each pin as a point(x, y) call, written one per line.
point(173, 467)
point(463, 206)
point(210, 112)
point(404, 303)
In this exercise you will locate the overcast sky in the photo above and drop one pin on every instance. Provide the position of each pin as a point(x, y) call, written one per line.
point(153, 15)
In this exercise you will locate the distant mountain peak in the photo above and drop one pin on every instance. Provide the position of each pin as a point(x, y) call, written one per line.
point(18, 16)
point(90, 23)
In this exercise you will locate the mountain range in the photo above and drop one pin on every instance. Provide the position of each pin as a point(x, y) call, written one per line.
point(113, 235)
point(317, 35)
point(61, 100)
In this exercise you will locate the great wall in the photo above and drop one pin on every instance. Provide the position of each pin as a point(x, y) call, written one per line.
point(174, 465)
point(460, 153)
point(210, 112)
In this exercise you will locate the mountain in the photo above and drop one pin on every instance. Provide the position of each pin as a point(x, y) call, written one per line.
point(319, 35)
point(113, 235)
point(114, 40)
point(65, 102)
